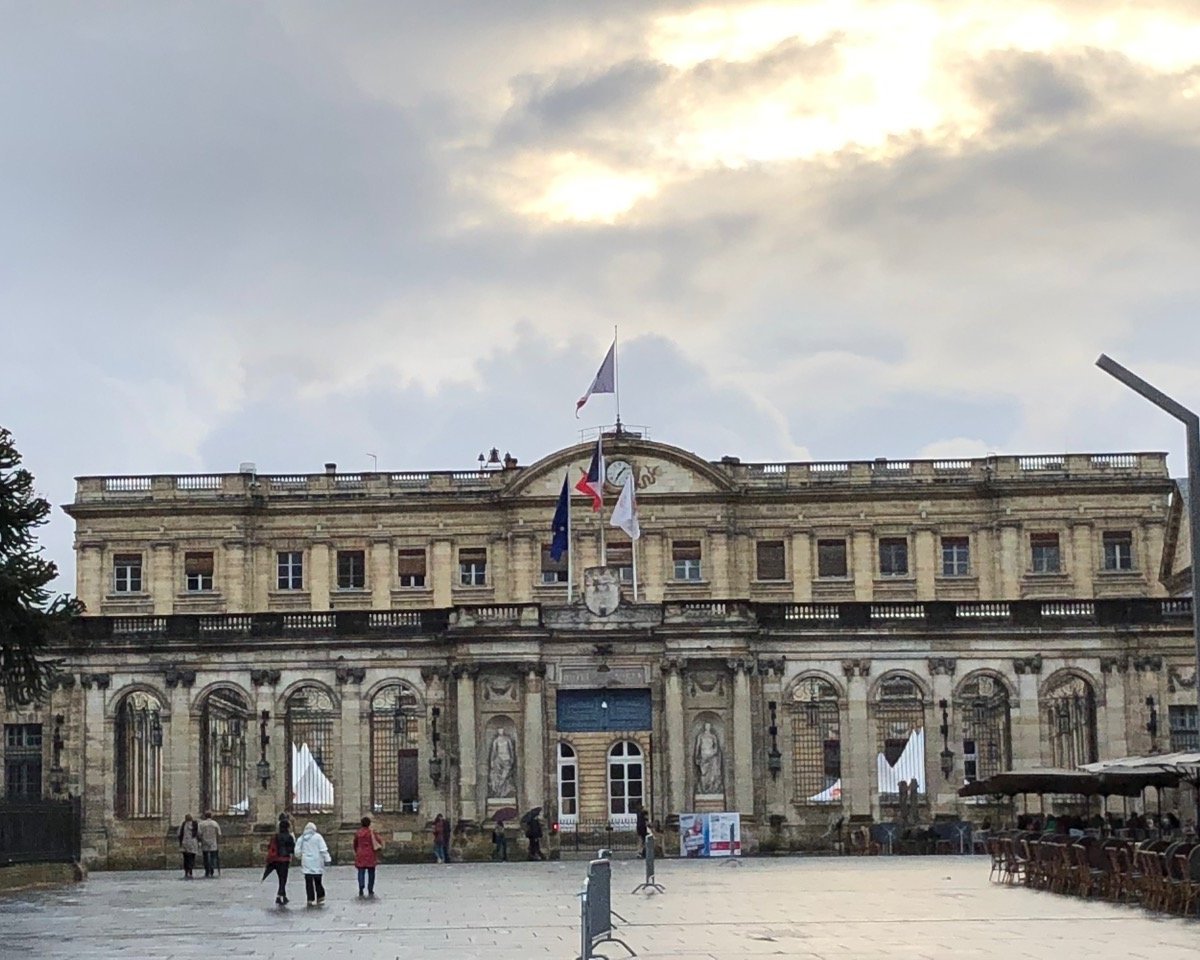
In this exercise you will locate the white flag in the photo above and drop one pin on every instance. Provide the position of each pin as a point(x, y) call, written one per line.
point(605, 380)
point(624, 514)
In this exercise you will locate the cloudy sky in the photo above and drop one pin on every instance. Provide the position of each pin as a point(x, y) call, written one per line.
point(295, 232)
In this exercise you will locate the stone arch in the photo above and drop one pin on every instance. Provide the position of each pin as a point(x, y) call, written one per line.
point(1064, 675)
point(118, 697)
point(501, 758)
point(226, 733)
point(139, 748)
point(789, 692)
point(376, 688)
point(1067, 708)
point(312, 743)
point(281, 699)
point(995, 675)
point(983, 722)
point(900, 673)
point(814, 744)
point(196, 708)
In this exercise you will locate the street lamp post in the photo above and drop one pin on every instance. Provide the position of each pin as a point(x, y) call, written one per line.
point(1192, 422)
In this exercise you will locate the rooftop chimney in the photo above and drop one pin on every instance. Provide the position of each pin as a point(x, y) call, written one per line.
point(331, 468)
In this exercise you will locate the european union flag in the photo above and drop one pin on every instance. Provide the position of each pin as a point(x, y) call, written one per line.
point(562, 522)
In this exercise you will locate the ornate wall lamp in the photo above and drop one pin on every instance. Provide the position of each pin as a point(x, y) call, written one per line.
point(435, 761)
point(57, 773)
point(947, 753)
point(774, 757)
point(263, 766)
point(1152, 724)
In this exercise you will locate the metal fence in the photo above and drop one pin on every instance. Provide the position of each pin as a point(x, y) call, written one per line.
point(585, 837)
point(596, 912)
point(40, 831)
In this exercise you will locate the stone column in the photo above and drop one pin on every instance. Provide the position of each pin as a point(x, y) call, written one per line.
point(1083, 563)
point(802, 567)
point(442, 572)
point(743, 740)
point(1012, 562)
point(182, 774)
point(90, 578)
point(858, 754)
point(650, 568)
point(717, 565)
point(983, 563)
point(381, 578)
point(677, 747)
point(354, 763)
point(776, 789)
point(231, 576)
point(943, 796)
point(1113, 718)
point(276, 796)
point(525, 568)
point(863, 565)
point(318, 576)
point(262, 578)
point(533, 746)
point(162, 578)
point(1026, 720)
point(925, 563)
point(499, 577)
point(468, 774)
point(97, 760)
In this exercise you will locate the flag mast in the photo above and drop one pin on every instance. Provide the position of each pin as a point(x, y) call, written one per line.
point(570, 566)
point(616, 380)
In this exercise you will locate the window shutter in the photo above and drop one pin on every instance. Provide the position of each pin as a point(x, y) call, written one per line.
point(198, 564)
point(409, 772)
point(685, 550)
point(412, 563)
point(771, 564)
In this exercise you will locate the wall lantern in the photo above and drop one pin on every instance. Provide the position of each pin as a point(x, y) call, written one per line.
point(263, 766)
point(947, 753)
point(264, 771)
point(1152, 724)
point(774, 757)
point(435, 762)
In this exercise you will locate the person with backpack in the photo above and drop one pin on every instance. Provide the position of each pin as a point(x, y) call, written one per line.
point(314, 856)
point(280, 851)
point(366, 856)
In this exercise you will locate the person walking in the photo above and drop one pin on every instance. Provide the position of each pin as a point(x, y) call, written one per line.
point(210, 843)
point(366, 856)
point(314, 855)
point(533, 833)
point(499, 842)
point(441, 839)
point(280, 851)
point(189, 845)
point(643, 830)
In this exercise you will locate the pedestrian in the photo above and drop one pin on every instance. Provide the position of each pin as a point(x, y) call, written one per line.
point(441, 839)
point(643, 829)
point(533, 833)
point(279, 857)
point(314, 855)
point(499, 842)
point(189, 845)
point(210, 842)
point(366, 856)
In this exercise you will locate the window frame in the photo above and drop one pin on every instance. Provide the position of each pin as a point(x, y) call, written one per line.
point(781, 558)
point(133, 580)
point(408, 581)
point(199, 582)
point(1045, 537)
point(1121, 542)
point(829, 542)
point(887, 546)
point(293, 580)
point(552, 572)
point(350, 579)
point(955, 565)
point(23, 761)
point(623, 548)
point(624, 760)
point(687, 569)
point(472, 567)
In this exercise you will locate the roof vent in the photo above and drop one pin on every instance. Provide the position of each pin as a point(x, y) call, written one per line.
point(248, 466)
point(331, 468)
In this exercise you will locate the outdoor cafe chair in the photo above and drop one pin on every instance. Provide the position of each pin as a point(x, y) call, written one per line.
point(1189, 879)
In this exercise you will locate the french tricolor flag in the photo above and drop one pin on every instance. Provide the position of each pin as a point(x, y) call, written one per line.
point(591, 484)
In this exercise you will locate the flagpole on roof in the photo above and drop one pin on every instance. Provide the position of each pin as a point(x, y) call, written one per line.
point(570, 565)
point(600, 481)
point(616, 379)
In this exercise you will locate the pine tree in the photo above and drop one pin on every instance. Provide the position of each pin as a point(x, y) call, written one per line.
point(29, 617)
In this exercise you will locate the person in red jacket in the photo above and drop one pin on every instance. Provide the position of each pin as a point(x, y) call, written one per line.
point(366, 857)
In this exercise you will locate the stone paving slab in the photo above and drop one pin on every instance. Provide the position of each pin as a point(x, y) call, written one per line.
point(902, 908)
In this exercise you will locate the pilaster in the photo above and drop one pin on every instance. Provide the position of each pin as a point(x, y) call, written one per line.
point(533, 749)
point(863, 560)
point(1083, 562)
point(857, 766)
point(468, 772)
point(351, 766)
point(318, 575)
point(677, 748)
point(925, 563)
point(442, 571)
point(1026, 723)
point(162, 578)
point(743, 740)
point(380, 576)
point(802, 567)
point(1011, 561)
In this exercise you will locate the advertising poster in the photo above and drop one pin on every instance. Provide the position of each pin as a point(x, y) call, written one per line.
point(710, 834)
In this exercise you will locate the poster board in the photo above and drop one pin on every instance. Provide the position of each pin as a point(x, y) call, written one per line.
point(710, 835)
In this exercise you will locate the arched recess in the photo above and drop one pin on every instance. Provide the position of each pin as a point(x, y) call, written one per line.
point(709, 757)
point(983, 708)
point(501, 771)
point(311, 719)
point(395, 721)
point(814, 704)
point(138, 768)
point(1068, 710)
point(898, 705)
point(225, 718)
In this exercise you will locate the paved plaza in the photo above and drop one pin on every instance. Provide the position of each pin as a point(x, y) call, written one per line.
point(894, 908)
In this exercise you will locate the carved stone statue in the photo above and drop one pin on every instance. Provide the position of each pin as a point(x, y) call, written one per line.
point(710, 770)
point(502, 766)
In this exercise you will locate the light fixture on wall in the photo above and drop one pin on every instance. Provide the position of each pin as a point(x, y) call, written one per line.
point(435, 761)
point(1152, 724)
point(57, 773)
point(774, 757)
point(947, 753)
point(263, 767)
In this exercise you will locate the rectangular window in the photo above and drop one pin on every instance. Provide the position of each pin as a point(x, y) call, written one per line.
point(831, 559)
point(956, 557)
point(1044, 552)
point(290, 570)
point(620, 555)
point(409, 772)
point(127, 573)
point(771, 564)
point(893, 556)
point(686, 556)
point(1185, 732)
point(198, 572)
point(472, 566)
point(411, 568)
point(1118, 550)
point(553, 571)
point(351, 570)
point(23, 761)
point(970, 761)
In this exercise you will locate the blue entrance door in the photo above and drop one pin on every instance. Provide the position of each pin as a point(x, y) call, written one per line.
point(585, 711)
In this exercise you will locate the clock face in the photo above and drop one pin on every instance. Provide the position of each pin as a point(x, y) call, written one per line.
point(617, 472)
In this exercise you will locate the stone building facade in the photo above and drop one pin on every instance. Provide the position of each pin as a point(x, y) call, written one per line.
point(808, 642)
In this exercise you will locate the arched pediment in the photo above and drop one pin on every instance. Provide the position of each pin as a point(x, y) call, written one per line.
point(657, 469)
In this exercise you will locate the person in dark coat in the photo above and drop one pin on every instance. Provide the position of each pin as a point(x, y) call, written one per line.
point(533, 833)
point(643, 828)
point(279, 857)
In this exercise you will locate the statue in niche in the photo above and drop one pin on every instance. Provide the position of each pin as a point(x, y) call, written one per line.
point(502, 766)
point(710, 771)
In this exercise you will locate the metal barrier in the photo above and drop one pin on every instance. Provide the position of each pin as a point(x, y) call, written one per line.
point(596, 912)
point(649, 883)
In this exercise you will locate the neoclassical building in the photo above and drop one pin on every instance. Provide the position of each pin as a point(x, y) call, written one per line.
point(807, 642)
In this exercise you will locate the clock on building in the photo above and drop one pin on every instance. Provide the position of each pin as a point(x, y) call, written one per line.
point(617, 472)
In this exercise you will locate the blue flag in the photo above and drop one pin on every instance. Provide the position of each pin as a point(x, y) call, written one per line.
point(558, 546)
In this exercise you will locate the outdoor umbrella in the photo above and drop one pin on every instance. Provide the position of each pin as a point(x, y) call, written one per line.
point(1038, 780)
point(530, 816)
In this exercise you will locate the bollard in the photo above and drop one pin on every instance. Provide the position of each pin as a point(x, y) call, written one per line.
point(649, 883)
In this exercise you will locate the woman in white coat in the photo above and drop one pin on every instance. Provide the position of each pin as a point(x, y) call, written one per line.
point(314, 855)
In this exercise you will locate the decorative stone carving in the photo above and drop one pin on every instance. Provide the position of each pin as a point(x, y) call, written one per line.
point(460, 670)
point(939, 666)
point(739, 665)
point(771, 666)
point(179, 676)
point(673, 665)
point(586, 676)
point(434, 672)
point(710, 768)
point(62, 681)
point(856, 668)
point(1152, 664)
point(601, 590)
point(502, 766)
point(1175, 679)
point(102, 681)
point(534, 667)
point(1032, 665)
point(499, 688)
point(262, 678)
point(706, 683)
point(1114, 664)
point(350, 675)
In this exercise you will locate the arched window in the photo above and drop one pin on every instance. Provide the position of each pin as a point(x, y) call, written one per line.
point(816, 742)
point(568, 784)
point(139, 734)
point(310, 724)
point(983, 711)
point(1069, 712)
point(626, 778)
point(395, 769)
point(900, 738)
point(223, 721)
